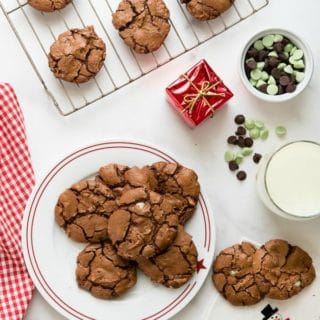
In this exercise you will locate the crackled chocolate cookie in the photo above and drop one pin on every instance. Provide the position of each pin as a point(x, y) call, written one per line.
point(282, 270)
point(121, 178)
point(48, 5)
point(142, 24)
point(233, 275)
point(143, 226)
point(181, 182)
point(103, 273)
point(207, 9)
point(77, 55)
point(84, 209)
point(176, 265)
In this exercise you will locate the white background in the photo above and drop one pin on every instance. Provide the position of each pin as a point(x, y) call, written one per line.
point(140, 112)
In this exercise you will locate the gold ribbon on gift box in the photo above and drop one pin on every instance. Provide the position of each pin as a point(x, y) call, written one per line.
point(206, 90)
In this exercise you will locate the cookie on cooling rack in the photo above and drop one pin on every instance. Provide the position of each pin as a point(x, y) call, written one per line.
point(142, 24)
point(103, 273)
point(48, 5)
point(77, 55)
point(207, 9)
point(174, 267)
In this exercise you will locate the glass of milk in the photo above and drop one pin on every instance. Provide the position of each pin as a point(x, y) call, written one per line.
point(288, 180)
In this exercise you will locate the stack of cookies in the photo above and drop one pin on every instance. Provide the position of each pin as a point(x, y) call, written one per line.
point(131, 217)
point(244, 275)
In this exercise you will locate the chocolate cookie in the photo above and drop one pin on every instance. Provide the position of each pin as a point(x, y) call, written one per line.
point(48, 5)
point(102, 272)
point(176, 265)
point(233, 275)
point(77, 55)
point(207, 9)
point(83, 211)
point(142, 24)
point(178, 181)
point(282, 270)
point(143, 226)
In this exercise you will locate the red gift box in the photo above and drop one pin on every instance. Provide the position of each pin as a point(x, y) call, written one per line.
point(198, 93)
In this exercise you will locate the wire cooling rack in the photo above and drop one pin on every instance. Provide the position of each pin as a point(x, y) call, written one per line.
point(36, 31)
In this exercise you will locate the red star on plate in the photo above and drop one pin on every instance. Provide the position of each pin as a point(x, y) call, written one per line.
point(200, 265)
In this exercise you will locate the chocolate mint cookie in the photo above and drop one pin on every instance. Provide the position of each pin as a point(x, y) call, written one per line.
point(176, 265)
point(83, 211)
point(142, 24)
point(233, 275)
point(180, 182)
point(143, 226)
point(102, 272)
point(77, 55)
point(207, 9)
point(282, 270)
point(48, 5)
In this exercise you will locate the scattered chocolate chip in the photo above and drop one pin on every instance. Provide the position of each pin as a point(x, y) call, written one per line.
point(252, 53)
point(276, 73)
point(283, 57)
point(240, 142)
point(251, 64)
point(248, 142)
point(291, 87)
point(241, 175)
point(262, 55)
point(257, 157)
point(263, 88)
point(273, 62)
point(241, 131)
point(239, 119)
point(285, 41)
point(284, 80)
point(278, 47)
point(233, 166)
point(232, 140)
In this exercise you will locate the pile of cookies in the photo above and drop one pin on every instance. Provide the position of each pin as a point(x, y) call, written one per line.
point(244, 275)
point(131, 217)
point(78, 54)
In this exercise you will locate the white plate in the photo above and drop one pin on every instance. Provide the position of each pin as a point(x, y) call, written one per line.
point(50, 256)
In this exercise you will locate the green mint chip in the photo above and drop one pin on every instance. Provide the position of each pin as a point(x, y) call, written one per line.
point(229, 156)
point(281, 131)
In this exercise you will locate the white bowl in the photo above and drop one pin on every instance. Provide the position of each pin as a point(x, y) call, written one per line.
point(308, 59)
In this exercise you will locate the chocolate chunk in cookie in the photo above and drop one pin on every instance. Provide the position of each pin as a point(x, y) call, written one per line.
point(207, 9)
point(178, 181)
point(142, 24)
point(102, 272)
point(176, 265)
point(233, 275)
point(83, 211)
point(143, 226)
point(282, 270)
point(77, 55)
point(48, 5)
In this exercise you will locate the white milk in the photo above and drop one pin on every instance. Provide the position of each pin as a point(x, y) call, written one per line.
point(292, 179)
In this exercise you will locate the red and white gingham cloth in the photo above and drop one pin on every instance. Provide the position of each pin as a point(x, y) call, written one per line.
point(16, 182)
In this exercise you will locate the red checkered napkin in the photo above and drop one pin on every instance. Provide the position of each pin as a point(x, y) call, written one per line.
point(16, 182)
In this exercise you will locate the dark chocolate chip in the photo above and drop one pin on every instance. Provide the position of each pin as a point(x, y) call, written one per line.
point(233, 166)
point(241, 175)
point(278, 47)
point(262, 55)
point(248, 142)
point(284, 80)
point(240, 142)
point(291, 87)
point(241, 131)
point(232, 140)
point(263, 88)
point(273, 62)
point(257, 157)
point(276, 73)
point(239, 119)
point(252, 52)
point(285, 41)
point(251, 64)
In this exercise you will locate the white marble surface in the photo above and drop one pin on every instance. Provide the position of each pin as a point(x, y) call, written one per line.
point(141, 112)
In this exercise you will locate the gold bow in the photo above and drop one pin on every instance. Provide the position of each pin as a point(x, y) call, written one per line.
point(202, 93)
